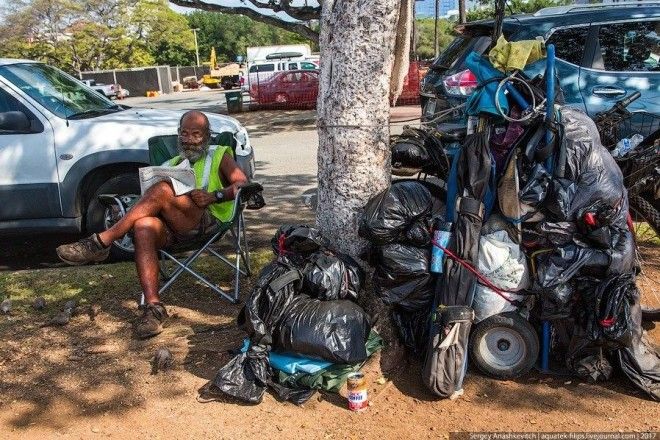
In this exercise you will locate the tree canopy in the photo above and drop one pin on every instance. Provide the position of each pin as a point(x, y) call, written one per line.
point(79, 35)
point(231, 35)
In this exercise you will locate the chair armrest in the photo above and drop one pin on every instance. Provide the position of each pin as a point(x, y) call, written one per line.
point(247, 190)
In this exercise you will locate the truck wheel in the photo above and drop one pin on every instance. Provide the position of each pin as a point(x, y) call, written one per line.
point(504, 346)
point(100, 217)
point(227, 86)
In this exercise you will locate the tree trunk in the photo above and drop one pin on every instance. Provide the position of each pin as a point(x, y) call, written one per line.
point(357, 45)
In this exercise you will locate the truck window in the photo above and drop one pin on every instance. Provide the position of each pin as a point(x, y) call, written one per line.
point(61, 94)
point(293, 66)
point(10, 104)
point(308, 66)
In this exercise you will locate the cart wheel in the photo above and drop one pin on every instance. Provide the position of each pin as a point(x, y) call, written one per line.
point(504, 346)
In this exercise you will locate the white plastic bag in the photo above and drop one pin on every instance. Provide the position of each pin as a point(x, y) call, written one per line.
point(503, 264)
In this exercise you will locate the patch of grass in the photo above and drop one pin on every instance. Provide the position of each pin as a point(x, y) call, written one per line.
point(103, 282)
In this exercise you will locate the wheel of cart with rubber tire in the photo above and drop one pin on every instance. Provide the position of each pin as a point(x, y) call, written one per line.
point(504, 346)
point(100, 217)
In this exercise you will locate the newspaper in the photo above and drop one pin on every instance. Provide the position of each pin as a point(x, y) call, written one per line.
point(182, 177)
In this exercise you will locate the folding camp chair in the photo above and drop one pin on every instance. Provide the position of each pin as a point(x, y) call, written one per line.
point(161, 149)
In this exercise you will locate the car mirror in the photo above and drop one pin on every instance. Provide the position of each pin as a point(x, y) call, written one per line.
point(14, 121)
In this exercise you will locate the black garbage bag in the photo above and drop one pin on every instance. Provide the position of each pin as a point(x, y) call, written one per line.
point(418, 149)
point(536, 188)
point(297, 396)
point(331, 276)
point(302, 240)
point(278, 283)
point(608, 315)
point(334, 331)
point(391, 213)
point(558, 233)
point(402, 276)
point(412, 328)
point(564, 263)
point(246, 376)
point(409, 151)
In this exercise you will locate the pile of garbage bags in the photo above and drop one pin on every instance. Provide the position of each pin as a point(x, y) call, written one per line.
point(304, 329)
point(397, 223)
point(537, 230)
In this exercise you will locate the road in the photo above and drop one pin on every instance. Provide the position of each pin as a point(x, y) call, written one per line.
point(285, 143)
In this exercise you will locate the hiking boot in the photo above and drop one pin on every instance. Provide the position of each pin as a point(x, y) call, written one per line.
point(151, 322)
point(86, 250)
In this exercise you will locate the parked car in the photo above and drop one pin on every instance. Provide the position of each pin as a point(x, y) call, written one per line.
point(261, 71)
point(63, 144)
point(604, 51)
point(108, 90)
point(292, 87)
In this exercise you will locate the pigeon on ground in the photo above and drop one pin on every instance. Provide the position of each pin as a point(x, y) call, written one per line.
point(70, 306)
point(39, 303)
point(60, 319)
point(163, 360)
point(5, 306)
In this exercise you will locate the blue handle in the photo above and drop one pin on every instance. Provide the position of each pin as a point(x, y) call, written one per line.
point(550, 98)
point(520, 99)
point(545, 347)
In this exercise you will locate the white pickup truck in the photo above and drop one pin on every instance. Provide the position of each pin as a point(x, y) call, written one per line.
point(62, 144)
point(108, 90)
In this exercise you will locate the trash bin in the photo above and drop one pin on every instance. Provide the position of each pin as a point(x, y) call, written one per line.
point(234, 102)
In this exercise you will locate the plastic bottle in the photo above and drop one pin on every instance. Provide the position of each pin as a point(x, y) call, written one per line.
point(441, 235)
point(626, 145)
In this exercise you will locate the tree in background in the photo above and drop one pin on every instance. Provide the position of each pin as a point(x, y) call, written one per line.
point(425, 31)
point(487, 8)
point(231, 35)
point(78, 35)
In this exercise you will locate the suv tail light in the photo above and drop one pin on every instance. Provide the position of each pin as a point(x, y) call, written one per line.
point(463, 83)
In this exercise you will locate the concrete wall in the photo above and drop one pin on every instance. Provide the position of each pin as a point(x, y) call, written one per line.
point(141, 80)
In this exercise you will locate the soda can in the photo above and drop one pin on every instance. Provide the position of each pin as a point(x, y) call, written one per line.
point(357, 392)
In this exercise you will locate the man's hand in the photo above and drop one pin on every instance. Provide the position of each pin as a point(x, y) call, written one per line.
point(202, 198)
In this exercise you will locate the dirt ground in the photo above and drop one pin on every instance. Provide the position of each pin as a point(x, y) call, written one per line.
point(91, 378)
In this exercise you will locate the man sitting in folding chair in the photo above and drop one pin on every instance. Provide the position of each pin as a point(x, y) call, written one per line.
point(160, 218)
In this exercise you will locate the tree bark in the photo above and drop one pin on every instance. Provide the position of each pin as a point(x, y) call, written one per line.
point(357, 43)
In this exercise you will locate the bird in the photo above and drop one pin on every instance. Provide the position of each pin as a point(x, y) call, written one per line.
point(39, 303)
point(70, 306)
point(163, 360)
point(5, 306)
point(59, 319)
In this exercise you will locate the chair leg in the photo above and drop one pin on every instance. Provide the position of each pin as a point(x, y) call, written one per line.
point(245, 249)
point(185, 267)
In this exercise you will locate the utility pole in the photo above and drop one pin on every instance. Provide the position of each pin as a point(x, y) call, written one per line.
point(462, 18)
point(196, 47)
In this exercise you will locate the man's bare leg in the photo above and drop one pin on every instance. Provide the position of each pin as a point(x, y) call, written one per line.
point(150, 234)
point(180, 212)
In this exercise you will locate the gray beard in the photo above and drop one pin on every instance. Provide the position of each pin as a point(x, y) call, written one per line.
point(192, 152)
